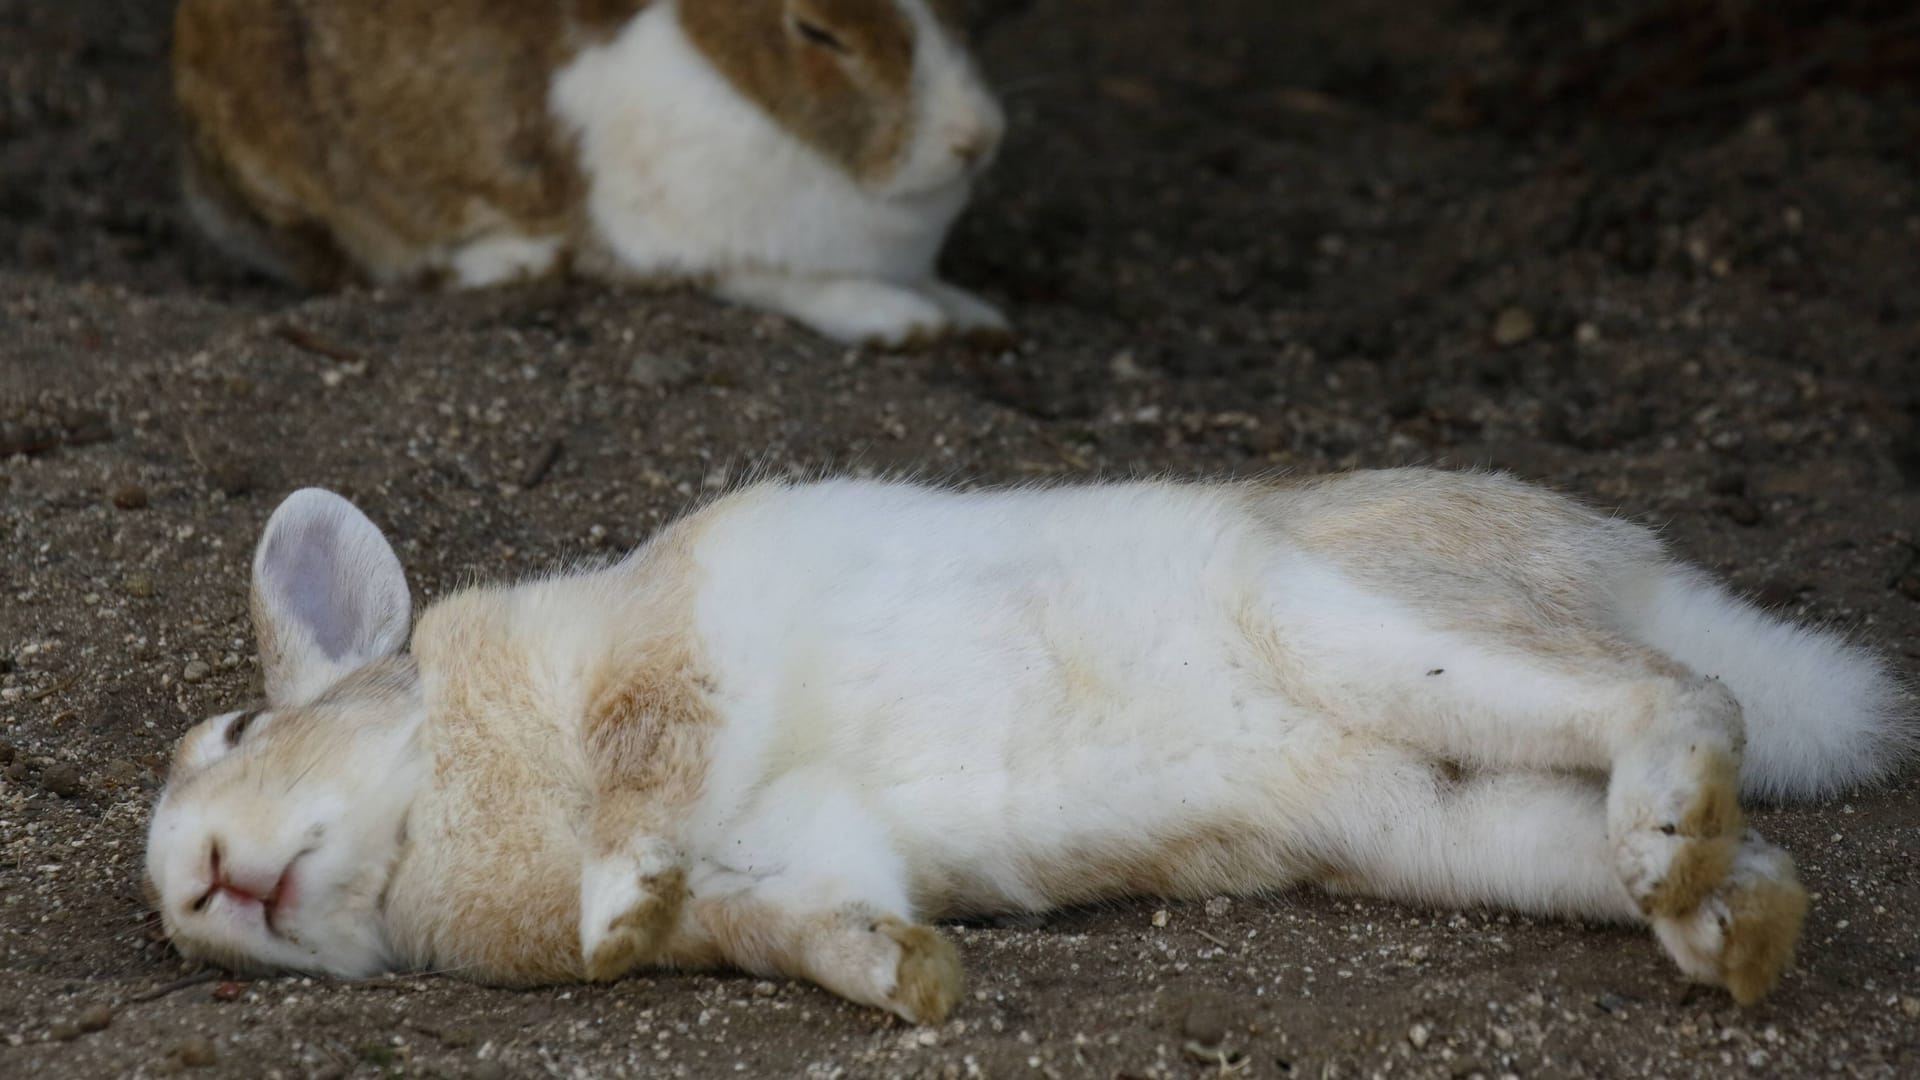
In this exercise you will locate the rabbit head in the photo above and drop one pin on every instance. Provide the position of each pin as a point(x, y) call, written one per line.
point(884, 88)
point(279, 827)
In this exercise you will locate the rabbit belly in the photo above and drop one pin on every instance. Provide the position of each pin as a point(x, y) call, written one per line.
point(997, 702)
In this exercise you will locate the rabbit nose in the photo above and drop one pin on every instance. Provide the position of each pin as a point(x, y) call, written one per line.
point(970, 146)
point(244, 882)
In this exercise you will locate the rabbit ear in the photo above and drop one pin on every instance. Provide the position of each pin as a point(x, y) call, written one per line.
point(328, 596)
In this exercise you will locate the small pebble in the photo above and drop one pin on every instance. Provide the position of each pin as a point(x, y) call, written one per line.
point(1160, 917)
point(763, 989)
point(652, 369)
point(1418, 1035)
point(1125, 368)
point(95, 1017)
point(1205, 1024)
point(137, 585)
point(196, 670)
point(195, 1053)
point(1909, 586)
point(129, 497)
point(1512, 326)
point(1731, 482)
point(1910, 1006)
point(1218, 906)
point(229, 990)
point(232, 478)
point(124, 772)
point(62, 779)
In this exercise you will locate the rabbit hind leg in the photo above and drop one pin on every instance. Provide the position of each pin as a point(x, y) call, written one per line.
point(1494, 689)
point(1413, 829)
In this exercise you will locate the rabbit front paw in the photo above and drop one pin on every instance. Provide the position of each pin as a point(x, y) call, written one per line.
point(969, 316)
point(864, 311)
point(628, 905)
point(926, 976)
point(877, 314)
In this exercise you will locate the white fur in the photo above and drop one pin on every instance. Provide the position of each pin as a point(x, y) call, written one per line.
point(915, 646)
point(1821, 716)
point(952, 109)
point(687, 177)
point(495, 260)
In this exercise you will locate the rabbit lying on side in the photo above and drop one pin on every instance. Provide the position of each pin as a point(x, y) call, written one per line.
point(805, 156)
point(798, 726)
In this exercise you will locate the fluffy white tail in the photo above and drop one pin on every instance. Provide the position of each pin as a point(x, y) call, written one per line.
point(1822, 715)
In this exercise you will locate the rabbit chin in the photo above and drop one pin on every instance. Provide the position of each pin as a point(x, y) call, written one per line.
point(935, 183)
point(340, 945)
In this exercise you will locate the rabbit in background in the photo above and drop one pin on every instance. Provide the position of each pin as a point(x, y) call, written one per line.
point(798, 727)
point(802, 156)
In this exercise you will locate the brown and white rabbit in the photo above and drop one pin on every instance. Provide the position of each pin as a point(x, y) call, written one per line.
point(800, 725)
point(804, 156)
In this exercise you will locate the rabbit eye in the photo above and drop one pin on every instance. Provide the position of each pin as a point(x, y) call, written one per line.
point(819, 35)
point(238, 728)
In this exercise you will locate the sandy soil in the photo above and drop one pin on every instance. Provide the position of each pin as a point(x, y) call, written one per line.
point(1648, 252)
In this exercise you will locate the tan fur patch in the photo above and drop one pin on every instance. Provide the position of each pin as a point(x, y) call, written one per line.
point(766, 940)
point(357, 136)
point(928, 980)
point(648, 716)
point(848, 101)
point(1715, 810)
point(749, 935)
point(1693, 872)
point(492, 888)
point(1760, 937)
point(640, 933)
point(541, 756)
point(1476, 553)
point(1712, 822)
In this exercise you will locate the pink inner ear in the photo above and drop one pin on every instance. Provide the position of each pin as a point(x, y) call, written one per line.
point(304, 568)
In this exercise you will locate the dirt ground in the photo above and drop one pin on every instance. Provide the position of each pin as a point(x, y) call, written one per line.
point(1663, 255)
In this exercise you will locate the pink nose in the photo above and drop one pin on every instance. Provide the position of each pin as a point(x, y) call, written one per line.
point(256, 884)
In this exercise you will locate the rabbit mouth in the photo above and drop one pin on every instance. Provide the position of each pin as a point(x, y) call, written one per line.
point(273, 899)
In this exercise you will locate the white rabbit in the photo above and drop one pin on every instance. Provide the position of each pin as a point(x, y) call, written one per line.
point(806, 156)
point(798, 726)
